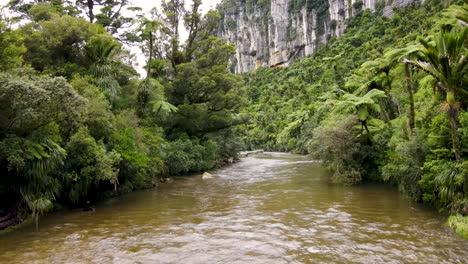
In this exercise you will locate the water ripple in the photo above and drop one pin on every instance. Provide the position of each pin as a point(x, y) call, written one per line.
point(275, 208)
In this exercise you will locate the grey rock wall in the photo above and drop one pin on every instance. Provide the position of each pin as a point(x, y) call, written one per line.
point(272, 33)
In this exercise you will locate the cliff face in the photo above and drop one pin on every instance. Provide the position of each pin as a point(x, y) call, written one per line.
point(272, 33)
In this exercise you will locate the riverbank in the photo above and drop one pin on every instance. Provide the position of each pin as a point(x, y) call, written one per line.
point(13, 220)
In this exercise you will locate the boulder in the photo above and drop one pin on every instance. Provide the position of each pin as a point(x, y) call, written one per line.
point(207, 175)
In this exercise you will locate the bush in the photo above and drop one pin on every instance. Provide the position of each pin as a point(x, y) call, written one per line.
point(403, 163)
point(88, 165)
point(459, 224)
point(335, 143)
point(189, 155)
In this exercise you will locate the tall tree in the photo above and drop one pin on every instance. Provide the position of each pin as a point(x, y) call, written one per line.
point(31, 110)
point(108, 13)
point(101, 51)
point(446, 59)
point(147, 32)
point(172, 13)
point(11, 46)
point(404, 55)
point(377, 68)
point(192, 21)
point(150, 92)
point(204, 90)
point(89, 5)
point(23, 7)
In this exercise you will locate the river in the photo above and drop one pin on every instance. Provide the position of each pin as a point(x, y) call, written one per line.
point(273, 208)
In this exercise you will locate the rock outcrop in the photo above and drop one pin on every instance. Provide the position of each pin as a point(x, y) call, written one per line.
point(207, 176)
point(272, 33)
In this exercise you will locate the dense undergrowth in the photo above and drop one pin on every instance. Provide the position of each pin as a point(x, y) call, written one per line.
point(77, 122)
point(386, 101)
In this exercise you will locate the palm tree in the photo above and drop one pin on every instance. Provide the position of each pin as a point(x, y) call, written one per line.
point(148, 30)
point(459, 12)
point(101, 51)
point(446, 59)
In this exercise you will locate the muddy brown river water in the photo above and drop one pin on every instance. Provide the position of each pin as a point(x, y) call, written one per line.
point(272, 208)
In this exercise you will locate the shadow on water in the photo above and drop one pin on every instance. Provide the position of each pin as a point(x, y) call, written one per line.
point(272, 208)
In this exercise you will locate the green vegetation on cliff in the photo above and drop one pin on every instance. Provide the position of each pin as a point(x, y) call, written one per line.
point(387, 101)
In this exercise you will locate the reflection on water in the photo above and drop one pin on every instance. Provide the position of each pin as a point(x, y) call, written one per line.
point(273, 208)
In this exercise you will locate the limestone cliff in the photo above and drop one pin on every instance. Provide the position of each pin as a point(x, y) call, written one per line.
point(271, 33)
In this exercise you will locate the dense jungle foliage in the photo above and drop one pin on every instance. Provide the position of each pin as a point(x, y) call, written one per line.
point(386, 101)
point(77, 122)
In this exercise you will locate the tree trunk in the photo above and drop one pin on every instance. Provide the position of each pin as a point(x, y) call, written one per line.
point(90, 5)
point(7, 220)
point(7, 223)
point(369, 138)
point(386, 115)
point(150, 58)
point(453, 116)
point(446, 3)
point(36, 220)
point(390, 98)
point(409, 88)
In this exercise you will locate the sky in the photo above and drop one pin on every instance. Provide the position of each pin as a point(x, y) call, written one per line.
point(148, 5)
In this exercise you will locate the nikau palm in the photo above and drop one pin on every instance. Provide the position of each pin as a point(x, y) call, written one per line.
point(445, 58)
point(101, 51)
point(460, 13)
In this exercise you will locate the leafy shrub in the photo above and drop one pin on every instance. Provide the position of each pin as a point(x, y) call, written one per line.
point(459, 223)
point(88, 165)
point(337, 146)
point(186, 155)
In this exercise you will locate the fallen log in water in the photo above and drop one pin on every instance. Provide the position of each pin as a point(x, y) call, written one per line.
point(7, 220)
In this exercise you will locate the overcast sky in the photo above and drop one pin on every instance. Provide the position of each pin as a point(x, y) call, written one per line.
point(147, 5)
